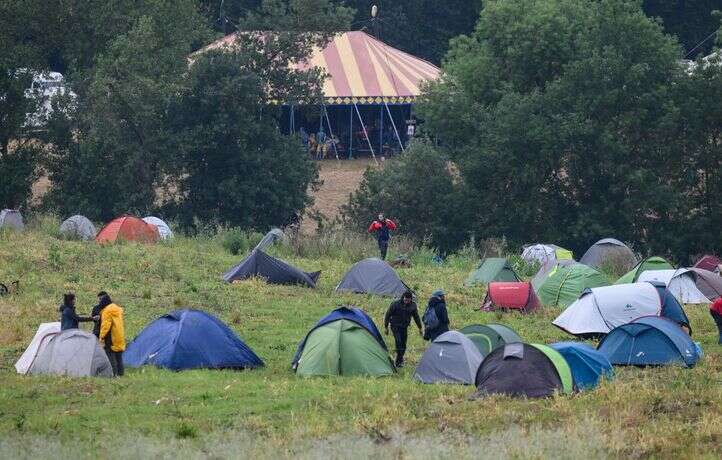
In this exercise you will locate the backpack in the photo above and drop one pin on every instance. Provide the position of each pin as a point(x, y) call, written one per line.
point(430, 320)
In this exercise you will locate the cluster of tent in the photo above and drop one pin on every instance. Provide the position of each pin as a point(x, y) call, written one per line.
point(561, 280)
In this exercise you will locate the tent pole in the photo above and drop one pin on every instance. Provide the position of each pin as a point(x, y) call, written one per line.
point(366, 134)
point(350, 135)
point(292, 121)
point(330, 131)
point(396, 131)
point(381, 131)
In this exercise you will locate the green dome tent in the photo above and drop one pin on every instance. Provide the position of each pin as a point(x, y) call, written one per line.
point(492, 269)
point(650, 263)
point(564, 283)
point(344, 342)
point(490, 336)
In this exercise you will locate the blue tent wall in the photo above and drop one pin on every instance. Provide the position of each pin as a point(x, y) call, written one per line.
point(189, 339)
point(587, 364)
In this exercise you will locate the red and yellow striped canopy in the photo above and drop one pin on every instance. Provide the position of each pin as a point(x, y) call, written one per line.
point(363, 70)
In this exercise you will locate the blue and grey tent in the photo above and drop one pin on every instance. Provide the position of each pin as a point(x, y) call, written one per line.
point(273, 270)
point(649, 341)
point(190, 339)
point(587, 364)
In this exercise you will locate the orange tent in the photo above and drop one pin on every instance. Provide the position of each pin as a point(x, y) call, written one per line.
point(128, 228)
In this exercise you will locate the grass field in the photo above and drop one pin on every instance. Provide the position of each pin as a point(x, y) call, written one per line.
point(270, 413)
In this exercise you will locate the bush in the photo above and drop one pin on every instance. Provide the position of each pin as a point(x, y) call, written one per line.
point(237, 241)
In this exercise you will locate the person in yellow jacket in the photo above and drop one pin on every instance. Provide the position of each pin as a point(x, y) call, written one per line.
point(112, 334)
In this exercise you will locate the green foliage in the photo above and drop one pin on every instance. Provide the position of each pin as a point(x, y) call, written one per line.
point(563, 118)
point(237, 241)
point(418, 191)
point(20, 169)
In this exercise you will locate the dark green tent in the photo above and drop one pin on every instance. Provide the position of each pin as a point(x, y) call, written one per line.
point(492, 269)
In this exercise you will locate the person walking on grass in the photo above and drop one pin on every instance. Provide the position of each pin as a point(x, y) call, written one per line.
point(399, 317)
point(436, 318)
point(716, 311)
point(112, 333)
point(382, 227)
point(69, 319)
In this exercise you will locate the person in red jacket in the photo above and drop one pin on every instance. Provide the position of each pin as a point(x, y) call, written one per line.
point(382, 227)
point(716, 311)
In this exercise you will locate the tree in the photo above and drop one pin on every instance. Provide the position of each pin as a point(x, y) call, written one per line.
point(233, 165)
point(565, 119)
point(420, 192)
point(690, 21)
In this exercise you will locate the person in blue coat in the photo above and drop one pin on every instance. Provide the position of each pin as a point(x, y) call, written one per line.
point(69, 319)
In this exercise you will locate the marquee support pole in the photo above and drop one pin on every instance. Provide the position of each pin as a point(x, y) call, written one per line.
point(330, 130)
point(366, 134)
point(396, 131)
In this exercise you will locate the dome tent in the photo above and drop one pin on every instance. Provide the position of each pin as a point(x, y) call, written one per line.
point(565, 283)
point(709, 283)
point(490, 336)
point(524, 370)
point(372, 276)
point(492, 269)
point(163, 229)
point(609, 250)
point(128, 228)
point(545, 253)
point(273, 235)
point(74, 353)
point(518, 296)
point(12, 220)
point(190, 339)
point(649, 341)
point(680, 282)
point(275, 271)
point(588, 365)
point(450, 358)
point(599, 310)
point(78, 227)
point(344, 342)
point(650, 263)
point(45, 332)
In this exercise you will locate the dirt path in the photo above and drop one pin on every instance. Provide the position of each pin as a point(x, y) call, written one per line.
point(340, 178)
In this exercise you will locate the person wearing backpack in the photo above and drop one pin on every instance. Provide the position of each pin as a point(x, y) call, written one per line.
point(436, 318)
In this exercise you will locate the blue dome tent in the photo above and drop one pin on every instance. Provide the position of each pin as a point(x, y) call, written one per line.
point(190, 339)
point(587, 364)
point(649, 341)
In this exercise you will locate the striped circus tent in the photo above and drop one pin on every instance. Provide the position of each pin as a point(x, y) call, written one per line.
point(364, 70)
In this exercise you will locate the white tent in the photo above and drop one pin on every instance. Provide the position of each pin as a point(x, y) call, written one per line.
point(72, 352)
point(599, 310)
point(45, 332)
point(78, 227)
point(680, 282)
point(163, 228)
point(12, 219)
point(545, 253)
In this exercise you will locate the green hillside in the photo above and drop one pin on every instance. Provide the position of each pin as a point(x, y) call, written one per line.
point(270, 413)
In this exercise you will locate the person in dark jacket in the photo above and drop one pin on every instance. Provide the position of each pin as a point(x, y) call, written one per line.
point(382, 227)
point(69, 319)
point(399, 317)
point(103, 301)
point(437, 302)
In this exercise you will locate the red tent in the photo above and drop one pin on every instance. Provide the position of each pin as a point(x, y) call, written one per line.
point(708, 262)
point(510, 296)
point(128, 228)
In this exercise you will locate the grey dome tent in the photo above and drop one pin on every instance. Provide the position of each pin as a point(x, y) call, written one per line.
point(11, 219)
point(609, 250)
point(275, 271)
point(709, 283)
point(163, 229)
point(372, 276)
point(45, 332)
point(78, 228)
point(274, 235)
point(75, 353)
point(451, 358)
